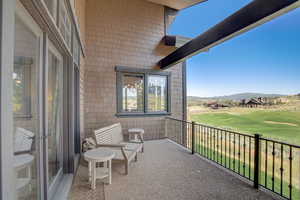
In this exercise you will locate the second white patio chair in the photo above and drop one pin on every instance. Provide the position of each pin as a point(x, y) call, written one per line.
point(112, 137)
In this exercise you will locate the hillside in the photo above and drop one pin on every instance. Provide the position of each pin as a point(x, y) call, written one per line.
point(233, 97)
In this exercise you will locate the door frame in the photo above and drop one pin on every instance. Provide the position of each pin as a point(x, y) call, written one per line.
point(50, 189)
point(77, 139)
point(7, 17)
point(8, 10)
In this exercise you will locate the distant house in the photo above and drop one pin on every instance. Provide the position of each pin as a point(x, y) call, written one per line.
point(253, 102)
point(215, 105)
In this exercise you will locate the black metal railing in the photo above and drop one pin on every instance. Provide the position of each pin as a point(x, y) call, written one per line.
point(271, 164)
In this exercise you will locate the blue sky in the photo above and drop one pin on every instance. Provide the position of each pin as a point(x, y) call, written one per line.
point(265, 59)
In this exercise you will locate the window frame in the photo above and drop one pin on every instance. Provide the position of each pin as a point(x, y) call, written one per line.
point(121, 71)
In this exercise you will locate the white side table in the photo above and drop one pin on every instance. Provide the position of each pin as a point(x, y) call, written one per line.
point(99, 155)
point(138, 135)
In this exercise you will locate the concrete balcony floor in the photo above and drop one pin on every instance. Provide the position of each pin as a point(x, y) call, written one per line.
point(166, 171)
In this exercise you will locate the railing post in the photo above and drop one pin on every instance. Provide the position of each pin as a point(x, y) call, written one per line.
point(184, 132)
point(166, 128)
point(193, 137)
point(257, 152)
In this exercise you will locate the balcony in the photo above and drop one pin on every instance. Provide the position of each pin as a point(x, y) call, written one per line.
point(167, 171)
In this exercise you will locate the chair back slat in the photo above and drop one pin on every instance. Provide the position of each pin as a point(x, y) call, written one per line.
point(109, 135)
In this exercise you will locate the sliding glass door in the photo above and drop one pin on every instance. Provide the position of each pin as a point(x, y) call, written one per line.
point(27, 92)
point(37, 91)
point(54, 114)
point(25, 100)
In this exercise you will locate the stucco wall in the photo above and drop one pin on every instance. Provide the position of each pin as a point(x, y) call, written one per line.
point(124, 33)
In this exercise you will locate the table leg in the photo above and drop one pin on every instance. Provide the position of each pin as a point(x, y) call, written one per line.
point(109, 172)
point(93, 175)
point(90, 171)
point(30, 177)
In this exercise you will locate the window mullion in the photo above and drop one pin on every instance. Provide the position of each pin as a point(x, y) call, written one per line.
point(146, 93)
point(168, 94)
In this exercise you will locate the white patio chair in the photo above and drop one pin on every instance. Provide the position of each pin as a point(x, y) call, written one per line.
point(23, 141)
point(23, 159)
point(112, 137)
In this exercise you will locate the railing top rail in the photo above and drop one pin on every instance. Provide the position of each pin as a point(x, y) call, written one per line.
point(222, 129)
point(280, 142)
point(235, 132)
point(207, 126)
point(178, 120)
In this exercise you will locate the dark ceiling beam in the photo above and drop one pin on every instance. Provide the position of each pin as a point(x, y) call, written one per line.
point(252, 15)
point(175, 40)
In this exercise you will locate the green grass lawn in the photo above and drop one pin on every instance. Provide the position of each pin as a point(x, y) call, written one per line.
point(280, 125)
point(245, 170)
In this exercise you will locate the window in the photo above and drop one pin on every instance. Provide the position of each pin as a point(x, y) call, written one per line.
point(157, 93)
point(65, 23)
point(133, 93)
point(142, 92)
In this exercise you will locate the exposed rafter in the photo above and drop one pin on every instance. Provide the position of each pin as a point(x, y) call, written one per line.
point(175, 40)
point(254, 14)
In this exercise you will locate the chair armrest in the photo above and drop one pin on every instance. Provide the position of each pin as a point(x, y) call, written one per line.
point(136, 142)
point(22, 152)
point(111, 145)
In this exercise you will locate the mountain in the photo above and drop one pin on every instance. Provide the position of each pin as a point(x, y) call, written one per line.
point(234, 97)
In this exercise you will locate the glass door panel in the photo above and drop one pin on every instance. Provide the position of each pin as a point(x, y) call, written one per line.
point(54, 115)
point(25, 106)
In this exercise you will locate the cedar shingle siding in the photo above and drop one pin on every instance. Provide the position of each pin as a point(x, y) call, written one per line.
point(123, 33)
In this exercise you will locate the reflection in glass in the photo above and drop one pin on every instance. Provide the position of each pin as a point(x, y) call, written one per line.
point(54, 111)
point(25, 104)
point(22, 86)
point(157, 93)
point(133, 93)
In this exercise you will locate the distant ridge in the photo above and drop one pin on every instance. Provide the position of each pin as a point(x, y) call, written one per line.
point(235, 97)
